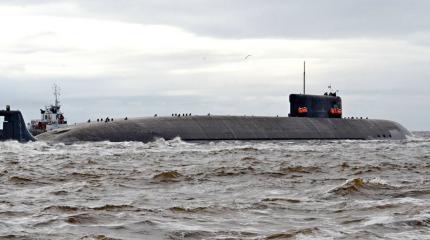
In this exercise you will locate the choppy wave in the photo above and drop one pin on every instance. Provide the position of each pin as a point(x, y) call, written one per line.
point(173, 189)
point(363, 186)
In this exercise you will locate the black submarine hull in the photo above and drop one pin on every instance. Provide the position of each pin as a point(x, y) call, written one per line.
point(14, 127)
point(215, 128)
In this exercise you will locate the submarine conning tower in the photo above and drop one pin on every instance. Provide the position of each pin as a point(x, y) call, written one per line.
point(14, 127)
point(316, 106)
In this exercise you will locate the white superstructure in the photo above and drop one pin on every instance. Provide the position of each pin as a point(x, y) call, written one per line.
point(51, 117)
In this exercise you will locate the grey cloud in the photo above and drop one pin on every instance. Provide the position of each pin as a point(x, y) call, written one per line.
point(274, 18)
point(269, 18)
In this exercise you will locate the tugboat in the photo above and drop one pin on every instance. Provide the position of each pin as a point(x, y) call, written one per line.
point(51, 117)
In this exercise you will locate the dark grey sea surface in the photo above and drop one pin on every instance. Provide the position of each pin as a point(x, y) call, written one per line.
point(216, 190)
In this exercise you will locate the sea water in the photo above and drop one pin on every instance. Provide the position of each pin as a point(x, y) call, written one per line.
point(216, 190)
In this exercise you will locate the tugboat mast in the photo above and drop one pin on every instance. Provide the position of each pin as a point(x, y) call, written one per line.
point(56, 95)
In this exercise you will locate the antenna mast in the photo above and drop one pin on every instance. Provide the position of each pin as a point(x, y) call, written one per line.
point(56, 95)
point(304, 77)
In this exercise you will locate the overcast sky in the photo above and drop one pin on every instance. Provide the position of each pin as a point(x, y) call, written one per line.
point(136, 58)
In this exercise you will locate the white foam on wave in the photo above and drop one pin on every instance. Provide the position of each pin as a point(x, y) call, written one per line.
point(379, 220)
point(415, 137)
point(379, 181)
point(408, 235)
point(38, 147)
point(109, 148)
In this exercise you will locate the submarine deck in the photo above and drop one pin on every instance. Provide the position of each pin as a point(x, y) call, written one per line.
point(212, 128)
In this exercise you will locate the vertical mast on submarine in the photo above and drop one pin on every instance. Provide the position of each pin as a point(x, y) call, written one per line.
point(304, 78)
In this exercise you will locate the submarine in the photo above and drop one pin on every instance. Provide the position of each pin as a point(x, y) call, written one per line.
point(311, 117)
